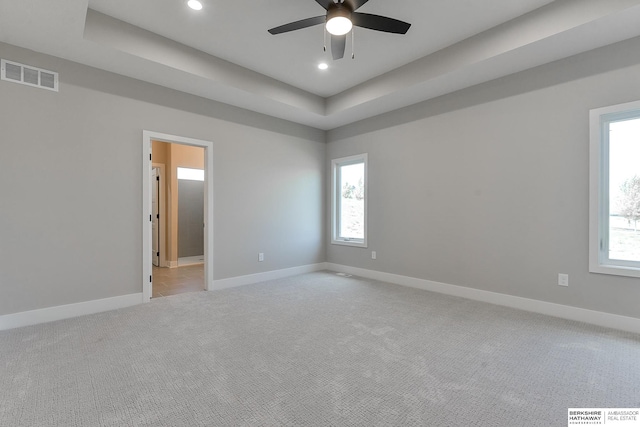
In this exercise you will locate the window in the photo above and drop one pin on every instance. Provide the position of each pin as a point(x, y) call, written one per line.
point(614, 223)
point(191, 174)
point(349, 201)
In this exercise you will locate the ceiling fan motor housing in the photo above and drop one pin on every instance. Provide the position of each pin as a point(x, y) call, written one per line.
point(337, 10)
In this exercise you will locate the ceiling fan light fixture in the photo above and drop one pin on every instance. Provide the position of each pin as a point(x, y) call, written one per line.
point(194, 4)
point(339, 25)
point(339, 20)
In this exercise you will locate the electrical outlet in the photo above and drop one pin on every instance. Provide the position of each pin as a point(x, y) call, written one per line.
point(260, 257)
point(373, 255)
point(563, 279)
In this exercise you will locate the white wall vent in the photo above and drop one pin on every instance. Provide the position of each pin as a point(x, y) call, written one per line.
point(28, 75)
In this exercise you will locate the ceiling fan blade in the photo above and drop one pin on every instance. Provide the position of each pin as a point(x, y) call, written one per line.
point(325, 3)
point(338, 44)
point(355, 4)
point(379, 23)
point(304, 23)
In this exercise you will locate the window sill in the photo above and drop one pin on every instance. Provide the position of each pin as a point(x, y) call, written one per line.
point(615, 270)
point(355, 243)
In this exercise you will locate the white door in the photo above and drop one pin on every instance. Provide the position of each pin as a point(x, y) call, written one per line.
point(155, 210)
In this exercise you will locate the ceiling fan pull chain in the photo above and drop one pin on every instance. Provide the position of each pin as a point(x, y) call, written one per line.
point(325, 38)
point(353, 45)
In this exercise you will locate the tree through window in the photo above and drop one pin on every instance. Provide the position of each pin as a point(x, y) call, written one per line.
point(349, 200)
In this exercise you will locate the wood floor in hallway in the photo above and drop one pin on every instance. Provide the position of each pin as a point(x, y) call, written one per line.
point(172, 281)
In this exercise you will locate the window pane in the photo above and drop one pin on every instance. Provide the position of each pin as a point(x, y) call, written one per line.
point(624, 190)
point(191, 174)
point(351, 200)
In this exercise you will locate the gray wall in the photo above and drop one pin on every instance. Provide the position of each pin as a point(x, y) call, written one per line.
point(190, 218)
point(488, 188)
point(485, 188)
point(71, 184)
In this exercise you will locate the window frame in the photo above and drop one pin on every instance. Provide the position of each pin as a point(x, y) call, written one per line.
point(336, 164)
point(599, 120)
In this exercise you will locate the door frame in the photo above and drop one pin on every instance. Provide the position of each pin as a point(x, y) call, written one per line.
point(147, 162)
point(155, 216)
point(161, 223)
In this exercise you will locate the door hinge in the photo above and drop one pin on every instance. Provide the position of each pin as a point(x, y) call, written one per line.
point(149, 156)
point(158, 216)
point(150, 218)
point(157, 253)
point(149, 278)
point(157, 178)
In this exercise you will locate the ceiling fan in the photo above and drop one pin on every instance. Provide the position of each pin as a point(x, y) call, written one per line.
point(340, 19)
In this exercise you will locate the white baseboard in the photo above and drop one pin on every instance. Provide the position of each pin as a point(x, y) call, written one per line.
point(190, 260)
point(599, 318)
point(608, 320)
point(50, 314)
point(249, 279)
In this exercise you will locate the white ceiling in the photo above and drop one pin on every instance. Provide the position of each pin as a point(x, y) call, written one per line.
point(225, 53)
point(237, 32)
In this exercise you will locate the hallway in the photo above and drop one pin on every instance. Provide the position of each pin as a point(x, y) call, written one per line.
point(172, 281)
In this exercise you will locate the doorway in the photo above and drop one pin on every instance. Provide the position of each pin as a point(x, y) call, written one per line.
point(160, 240)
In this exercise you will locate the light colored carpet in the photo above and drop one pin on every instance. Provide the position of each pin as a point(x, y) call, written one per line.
point(316, 349)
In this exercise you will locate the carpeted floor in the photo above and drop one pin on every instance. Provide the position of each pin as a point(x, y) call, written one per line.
point(315, 349)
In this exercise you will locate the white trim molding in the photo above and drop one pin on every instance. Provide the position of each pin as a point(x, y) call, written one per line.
point(599, 318)
point(600, 120)
point(233, 282)
point(162, 243)
point(50, 314)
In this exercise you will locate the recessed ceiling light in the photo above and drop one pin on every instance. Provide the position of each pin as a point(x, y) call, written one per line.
point(194, 4)
point(323, 66)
